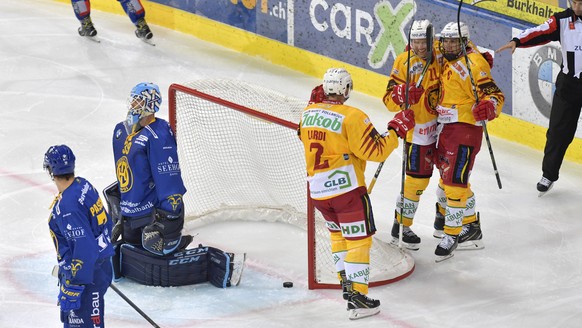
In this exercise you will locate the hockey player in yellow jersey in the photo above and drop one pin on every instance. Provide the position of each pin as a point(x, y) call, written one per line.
point(338, 140)
point(421, 141)
point(461, 116)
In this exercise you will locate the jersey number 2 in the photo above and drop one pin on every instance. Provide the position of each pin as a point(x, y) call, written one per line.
point(319, 165)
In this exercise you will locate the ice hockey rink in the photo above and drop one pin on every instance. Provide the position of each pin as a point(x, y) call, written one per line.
point(60, 88)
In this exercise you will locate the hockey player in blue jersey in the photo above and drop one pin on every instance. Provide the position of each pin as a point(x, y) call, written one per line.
point(146, 204)
point(80, 229)
point(133, 8)
point(148, 174)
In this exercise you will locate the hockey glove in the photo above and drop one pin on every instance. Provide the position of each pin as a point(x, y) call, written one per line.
point(399, 94)
point(317, 95)
point(484, 111)
point(487, 55)
point(402, 123)
point(70, 296)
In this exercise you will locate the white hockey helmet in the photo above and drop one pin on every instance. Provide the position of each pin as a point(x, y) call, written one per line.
point(451, 30)
point(337, 81)
point(418, 29)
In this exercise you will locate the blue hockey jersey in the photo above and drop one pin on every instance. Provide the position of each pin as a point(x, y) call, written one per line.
point(147, 169)
point(81, 231)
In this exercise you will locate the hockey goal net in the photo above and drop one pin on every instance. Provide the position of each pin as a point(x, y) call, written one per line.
point(249, 132)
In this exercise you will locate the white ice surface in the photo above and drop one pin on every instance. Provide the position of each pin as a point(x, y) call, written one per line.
point(57, 88)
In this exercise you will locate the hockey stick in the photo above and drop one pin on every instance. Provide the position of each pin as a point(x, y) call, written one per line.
point(429, 43)
point(404, 143)
point(55, 273)
point(483, 123)
point(135, 307)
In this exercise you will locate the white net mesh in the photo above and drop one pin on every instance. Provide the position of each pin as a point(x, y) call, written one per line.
point(237, 166)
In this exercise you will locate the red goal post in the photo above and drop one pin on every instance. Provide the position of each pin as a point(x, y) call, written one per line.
point(241, 160)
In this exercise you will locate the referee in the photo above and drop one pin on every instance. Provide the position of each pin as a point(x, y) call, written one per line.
point(566, 27)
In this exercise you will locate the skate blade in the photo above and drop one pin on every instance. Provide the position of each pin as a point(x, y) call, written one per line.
point(356, 314)
point(439, 259)
point(471, 245)
point(92, 38)
point(541, 193)
point(148, 41)
point(408, 246)
point(438, 234)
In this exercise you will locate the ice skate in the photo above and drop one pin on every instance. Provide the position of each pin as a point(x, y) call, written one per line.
point(544, 186)
point(446, 247)
point(409, 239)
point(238, 265)
point(143, 32)
point(88, 30)
point(439, 223)
point(361, 306)
point(470, 237)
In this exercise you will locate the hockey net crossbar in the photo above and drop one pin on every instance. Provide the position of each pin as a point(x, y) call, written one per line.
point(241, 160)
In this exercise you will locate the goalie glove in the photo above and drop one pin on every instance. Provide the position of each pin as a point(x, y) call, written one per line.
point(484, 110)
point(399, 94)
point(317, 95)
point(70, 296)
point(402, 123)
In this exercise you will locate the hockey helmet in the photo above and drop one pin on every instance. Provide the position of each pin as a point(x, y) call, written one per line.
point(337, 81)
point(418, 29)
point(451, 31)
point(144, 99)
point(59, 160)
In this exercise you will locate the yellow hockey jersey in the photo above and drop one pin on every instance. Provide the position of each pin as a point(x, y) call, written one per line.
point(457, 93)
point(425, 115)
point(338, 140)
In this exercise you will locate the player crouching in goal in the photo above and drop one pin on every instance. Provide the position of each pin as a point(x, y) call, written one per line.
point(338, 140)
point(147, 209)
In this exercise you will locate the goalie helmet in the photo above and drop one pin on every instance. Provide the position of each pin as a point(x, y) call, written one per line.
point(59, 160)
point(455, 43)
point(144, 99)
point(418, 29)
point(337, 81)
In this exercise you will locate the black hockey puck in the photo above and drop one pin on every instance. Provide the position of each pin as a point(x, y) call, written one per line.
point(287, 284)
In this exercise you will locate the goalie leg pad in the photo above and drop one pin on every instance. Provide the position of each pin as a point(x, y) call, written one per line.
point(224, 269)
point(179, 269)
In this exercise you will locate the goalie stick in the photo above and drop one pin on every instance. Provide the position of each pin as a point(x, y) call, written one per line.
point(55, 273)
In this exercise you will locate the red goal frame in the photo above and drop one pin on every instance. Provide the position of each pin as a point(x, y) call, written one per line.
point(311, 234)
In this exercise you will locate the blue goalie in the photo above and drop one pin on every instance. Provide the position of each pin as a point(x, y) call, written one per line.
point(147, 207)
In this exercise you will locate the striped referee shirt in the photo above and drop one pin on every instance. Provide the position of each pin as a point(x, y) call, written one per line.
point(565, 27)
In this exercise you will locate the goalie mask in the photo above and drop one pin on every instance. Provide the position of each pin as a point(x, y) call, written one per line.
point(144, 99)
point(451, 43)
point(59, 160)
point(337, 81)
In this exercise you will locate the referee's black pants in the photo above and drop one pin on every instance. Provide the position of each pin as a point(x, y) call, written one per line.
point(564, 117)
